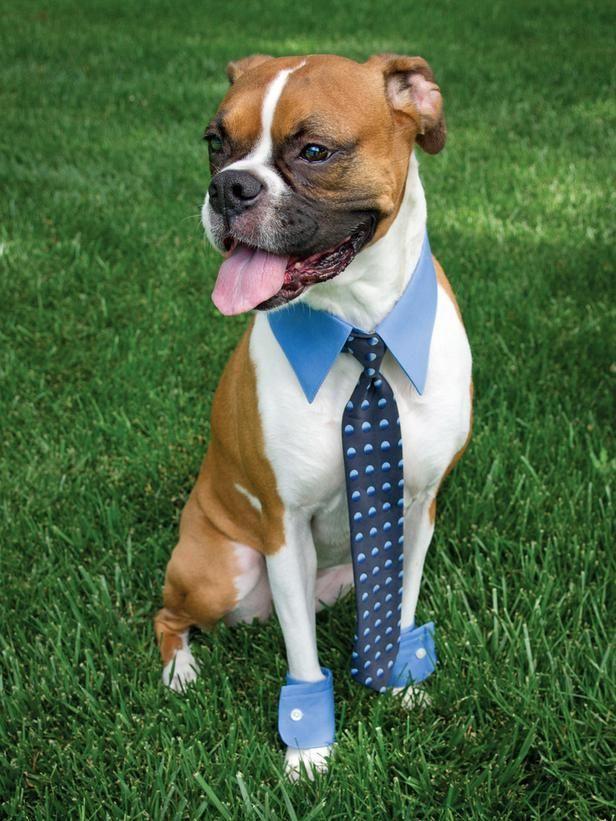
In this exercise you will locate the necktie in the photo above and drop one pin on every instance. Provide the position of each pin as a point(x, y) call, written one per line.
point(372, 450)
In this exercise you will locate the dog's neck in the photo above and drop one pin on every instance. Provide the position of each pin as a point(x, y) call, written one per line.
point(369, 288)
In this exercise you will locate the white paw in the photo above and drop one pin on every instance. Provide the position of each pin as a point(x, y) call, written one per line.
point(306, 763)
point(181, 671)
point(412, 697)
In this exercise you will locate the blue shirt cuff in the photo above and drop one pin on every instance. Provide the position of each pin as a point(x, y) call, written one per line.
point(306, 712)
point(416, 659)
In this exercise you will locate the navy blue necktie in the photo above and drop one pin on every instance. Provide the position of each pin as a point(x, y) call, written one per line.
point(372, 447)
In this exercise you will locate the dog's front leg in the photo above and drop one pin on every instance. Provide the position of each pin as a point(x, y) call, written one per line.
point(306, 705)
point(418, 532)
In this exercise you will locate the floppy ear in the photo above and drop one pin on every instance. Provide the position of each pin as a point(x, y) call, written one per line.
point(412, 91)
point(236, 68)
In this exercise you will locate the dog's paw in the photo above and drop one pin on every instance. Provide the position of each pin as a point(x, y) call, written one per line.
point(412, 698)
point(181, 671)
point(306, 763)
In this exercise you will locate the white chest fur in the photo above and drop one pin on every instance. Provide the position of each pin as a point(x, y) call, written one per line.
point(303, 441)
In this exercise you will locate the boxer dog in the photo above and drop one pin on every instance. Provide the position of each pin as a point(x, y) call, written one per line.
point(315, 197)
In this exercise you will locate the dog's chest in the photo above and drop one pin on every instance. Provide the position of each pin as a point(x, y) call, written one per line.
point(303, 441)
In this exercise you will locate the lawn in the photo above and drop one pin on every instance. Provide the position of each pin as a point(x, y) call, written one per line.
point(110, 353)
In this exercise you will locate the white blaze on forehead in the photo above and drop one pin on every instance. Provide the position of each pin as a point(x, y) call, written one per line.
point(260, 156)
point(263, 148)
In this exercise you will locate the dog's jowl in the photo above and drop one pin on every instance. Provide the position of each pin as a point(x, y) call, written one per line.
point(347, 400)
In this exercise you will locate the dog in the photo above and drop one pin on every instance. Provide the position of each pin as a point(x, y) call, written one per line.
point(316, 203)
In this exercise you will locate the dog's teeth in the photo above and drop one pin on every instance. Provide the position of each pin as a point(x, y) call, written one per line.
point(297, 265)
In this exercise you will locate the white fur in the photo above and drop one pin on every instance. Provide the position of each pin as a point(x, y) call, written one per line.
point(303, 444)
point(183, 668)
point(412, 698)
point(254, 598)
point(332, 584)
point(292, 576)
point(313, 760)
point(250, 565)
point(252, 499)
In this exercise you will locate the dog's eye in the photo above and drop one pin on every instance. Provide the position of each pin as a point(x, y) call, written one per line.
point(315, 153)
point(214, 143)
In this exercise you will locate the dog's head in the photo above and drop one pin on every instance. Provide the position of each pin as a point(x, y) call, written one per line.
point(309, 157)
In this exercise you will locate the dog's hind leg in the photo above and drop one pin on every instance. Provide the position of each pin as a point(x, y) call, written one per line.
point(333, 583)
point(180, 667)
point(207, 578)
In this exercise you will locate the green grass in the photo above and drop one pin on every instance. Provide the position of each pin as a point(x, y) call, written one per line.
point(110, 352)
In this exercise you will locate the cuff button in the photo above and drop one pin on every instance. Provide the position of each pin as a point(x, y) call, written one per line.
point(296, 714)
point(421, 653)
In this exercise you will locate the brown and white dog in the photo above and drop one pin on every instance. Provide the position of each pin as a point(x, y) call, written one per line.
point(315, 195)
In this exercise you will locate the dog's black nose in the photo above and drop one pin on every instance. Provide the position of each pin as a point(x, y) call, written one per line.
point(232, 192)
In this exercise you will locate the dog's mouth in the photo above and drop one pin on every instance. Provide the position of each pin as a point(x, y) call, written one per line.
point(251, 278)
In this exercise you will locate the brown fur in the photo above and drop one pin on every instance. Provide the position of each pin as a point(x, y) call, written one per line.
point(236, 68)
point(199, 583)
point(409, 79)
point(446, 286)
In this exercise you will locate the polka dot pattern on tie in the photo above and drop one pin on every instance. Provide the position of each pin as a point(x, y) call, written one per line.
point(372, 450)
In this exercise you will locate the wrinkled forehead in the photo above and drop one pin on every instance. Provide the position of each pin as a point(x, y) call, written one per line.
point(319, 94)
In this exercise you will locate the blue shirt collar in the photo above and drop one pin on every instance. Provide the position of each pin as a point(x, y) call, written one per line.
point(311, 339)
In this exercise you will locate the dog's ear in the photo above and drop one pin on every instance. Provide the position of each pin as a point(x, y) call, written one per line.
point(236, 68)
point(412, 92)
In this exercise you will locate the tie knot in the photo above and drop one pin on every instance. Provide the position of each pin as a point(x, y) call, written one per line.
point(368, 349)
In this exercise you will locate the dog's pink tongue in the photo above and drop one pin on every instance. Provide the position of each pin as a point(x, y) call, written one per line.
point(247, 278)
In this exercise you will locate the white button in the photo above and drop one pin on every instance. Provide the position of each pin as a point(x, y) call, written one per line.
point(420, 653)
point(296, 714)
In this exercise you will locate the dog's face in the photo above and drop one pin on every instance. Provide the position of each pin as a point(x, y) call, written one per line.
point(309, 157)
